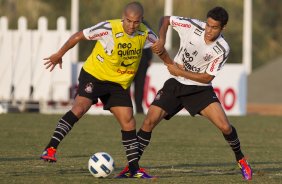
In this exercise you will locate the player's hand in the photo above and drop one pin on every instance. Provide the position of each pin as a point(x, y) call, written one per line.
point(158, 47)
point(175, 69)
point(52, 61)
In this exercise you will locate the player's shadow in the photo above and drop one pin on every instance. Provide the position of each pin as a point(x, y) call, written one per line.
point(36, 157)
point(77, 156)
point(205, 169)
point(16, 159)
point(217, 164)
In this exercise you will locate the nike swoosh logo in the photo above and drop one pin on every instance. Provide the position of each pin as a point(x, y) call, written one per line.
point(126, 65)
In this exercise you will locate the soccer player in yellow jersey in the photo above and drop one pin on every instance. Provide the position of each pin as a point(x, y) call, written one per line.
point(107, 75)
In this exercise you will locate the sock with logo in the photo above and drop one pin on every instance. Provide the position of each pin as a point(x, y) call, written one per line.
point(130, 143)
point(64, 126)
point(144, 140)
point(234, 143)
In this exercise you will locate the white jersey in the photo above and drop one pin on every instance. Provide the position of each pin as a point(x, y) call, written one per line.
point(103, 33)
point(194, 54)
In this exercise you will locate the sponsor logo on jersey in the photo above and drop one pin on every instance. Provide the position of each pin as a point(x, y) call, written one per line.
point(213, 64)
point(186, 59)
point(187, 56)
point(118, 35)
point(124, 45)
point(125, 49)
point(181, 24)
point(132, 72)
point(189, 67)
point(126, 65)
point(99, 35)
point(89, 87)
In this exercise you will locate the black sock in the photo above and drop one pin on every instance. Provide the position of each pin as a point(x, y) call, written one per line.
point(234, 143)
point(64, 126)
point(130, 143)
point(144, 140)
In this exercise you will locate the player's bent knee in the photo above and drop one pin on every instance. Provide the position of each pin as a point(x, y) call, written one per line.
point(78, 111)
point(128, 126)
point(226, 129)
point(148, 125)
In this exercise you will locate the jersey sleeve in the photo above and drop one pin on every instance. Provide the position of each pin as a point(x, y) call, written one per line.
point(98, 31)
point(151, 39)
point(216, 65)
point(180, 24)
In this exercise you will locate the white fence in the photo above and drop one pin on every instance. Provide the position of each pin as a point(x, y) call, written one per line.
point(22, 72)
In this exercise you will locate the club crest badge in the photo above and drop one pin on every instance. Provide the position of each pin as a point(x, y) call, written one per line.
point(89, 87)
point(207, 57)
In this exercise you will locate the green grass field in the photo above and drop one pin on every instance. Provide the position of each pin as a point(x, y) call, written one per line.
point(182, 150)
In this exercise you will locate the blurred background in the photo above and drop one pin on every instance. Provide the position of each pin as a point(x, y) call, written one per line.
point(264, 94)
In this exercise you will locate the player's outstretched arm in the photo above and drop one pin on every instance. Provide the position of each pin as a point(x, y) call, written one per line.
point(163, 27)
point(158, 47)
point(56, 58)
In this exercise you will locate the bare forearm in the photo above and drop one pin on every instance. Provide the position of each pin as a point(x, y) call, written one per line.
point(71, 42)
point(198, 77)
point(165, 57)
point(164, 23)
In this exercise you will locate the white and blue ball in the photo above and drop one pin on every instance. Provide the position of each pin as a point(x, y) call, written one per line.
point(101, 165)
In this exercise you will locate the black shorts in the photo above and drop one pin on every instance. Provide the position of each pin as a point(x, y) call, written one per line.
point(175, 96)
point(111, 94)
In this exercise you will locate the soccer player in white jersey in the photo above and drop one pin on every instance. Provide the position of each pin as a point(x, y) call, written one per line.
point(202, 54)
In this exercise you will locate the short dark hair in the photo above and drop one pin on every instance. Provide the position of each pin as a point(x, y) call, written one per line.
point(134, 6)
point(218, 14)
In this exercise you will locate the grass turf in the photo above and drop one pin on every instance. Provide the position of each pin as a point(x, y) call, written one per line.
point(182, 150)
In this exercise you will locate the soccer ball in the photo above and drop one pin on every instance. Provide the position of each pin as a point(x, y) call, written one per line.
point(101, 165)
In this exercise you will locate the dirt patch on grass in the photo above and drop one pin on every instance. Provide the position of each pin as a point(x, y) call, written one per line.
point(264, 109)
